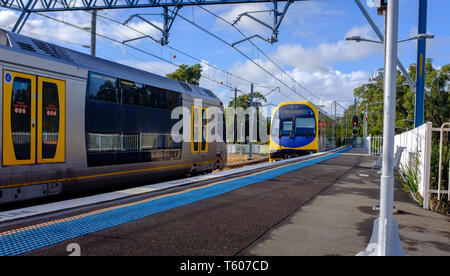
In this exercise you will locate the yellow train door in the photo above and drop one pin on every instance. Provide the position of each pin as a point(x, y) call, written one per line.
point(199, 133)
point(19, 119)
point(33, 119)
point(51, 121)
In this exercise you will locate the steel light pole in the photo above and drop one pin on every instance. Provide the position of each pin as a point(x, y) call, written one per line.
point(385, 240)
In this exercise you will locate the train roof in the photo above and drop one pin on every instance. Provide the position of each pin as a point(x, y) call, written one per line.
point(32, 46)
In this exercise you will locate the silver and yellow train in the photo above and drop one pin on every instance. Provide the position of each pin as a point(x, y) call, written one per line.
point(300, 128)
point(72, 122)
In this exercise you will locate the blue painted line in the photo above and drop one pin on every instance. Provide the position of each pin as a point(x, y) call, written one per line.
point(32, 239)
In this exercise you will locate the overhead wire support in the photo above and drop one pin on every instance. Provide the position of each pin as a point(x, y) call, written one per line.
point(251, 60)
point(278, 18)
point(65, 5)
point(239, 51)
point(165, 30)
point(248, 38)
point(292, 88)
point(165, 60)
point(29, 6)
point(144, 35)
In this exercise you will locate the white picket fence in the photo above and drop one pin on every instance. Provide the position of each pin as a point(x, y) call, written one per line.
point(374, 145)
point(417, 155)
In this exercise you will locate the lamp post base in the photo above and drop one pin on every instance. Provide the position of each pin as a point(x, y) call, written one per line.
point(372, 248)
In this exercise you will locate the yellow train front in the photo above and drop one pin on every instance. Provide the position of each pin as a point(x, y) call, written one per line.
point(300, 128)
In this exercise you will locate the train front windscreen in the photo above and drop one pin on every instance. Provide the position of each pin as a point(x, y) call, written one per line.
point(295, 120)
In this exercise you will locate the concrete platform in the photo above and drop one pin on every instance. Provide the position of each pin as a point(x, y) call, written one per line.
point(339, 221)
point(320, 206)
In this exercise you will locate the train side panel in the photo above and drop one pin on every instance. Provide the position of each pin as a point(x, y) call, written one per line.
point(21, 179)
point(54, 159)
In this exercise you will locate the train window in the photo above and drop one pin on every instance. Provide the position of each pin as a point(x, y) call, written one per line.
point(275, 133)
point(103, 142)
point(173, 100)
point(305, 126)
point(153, 97)
point(286, 127)
point(131, 92)
point(102, 87)
point(151, 141)
point(147, 96)
point(113, 149)
point(130, 142)
point(21, 118)
point(50, 119)
point(160, 98)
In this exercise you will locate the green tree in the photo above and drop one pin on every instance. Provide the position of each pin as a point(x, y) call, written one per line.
point(437, 101)
point(244, 100)
point(187, 74)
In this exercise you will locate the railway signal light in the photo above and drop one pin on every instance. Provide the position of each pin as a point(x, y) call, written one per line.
point(381, 6)
point(355, 125)
point(355, 121)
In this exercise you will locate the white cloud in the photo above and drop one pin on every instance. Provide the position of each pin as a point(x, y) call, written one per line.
point(370, 3)
point(46, 29)
point(7, 19)
point(312, 67)
point(322, 56)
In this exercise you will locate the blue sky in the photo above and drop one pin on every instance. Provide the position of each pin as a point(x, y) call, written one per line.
point(311, 48)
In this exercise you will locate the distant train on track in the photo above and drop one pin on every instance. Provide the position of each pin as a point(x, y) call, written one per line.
point(72, 122)
point(300, 128)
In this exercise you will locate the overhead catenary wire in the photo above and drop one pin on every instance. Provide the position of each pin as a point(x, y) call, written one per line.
point(200, 60)
point(183, 52)
point(168, 61)
point(259, 50)
point(177, 50)
point(292, 88)
point(242, 53)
